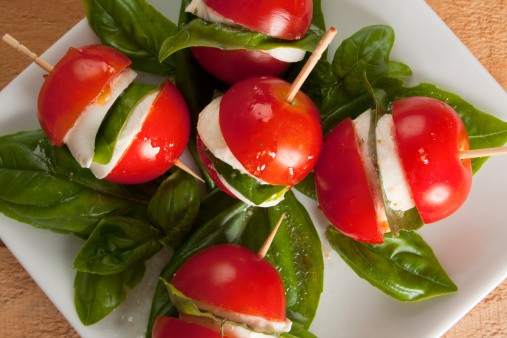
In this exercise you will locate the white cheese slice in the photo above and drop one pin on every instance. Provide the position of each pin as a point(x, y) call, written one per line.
point(393, 176)
point(80, 139)
point(362, 127)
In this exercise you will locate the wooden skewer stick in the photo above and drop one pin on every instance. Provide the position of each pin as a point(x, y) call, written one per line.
point(265, 247)
point(49, 68)
point(24, 50)
point(474, 153)
point(310, 64)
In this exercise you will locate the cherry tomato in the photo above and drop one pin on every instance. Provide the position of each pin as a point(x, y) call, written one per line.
point(161, 141)
point(344, 194)
point(233, 279)
point(284, 19)
point(82, 76)
point(430, 136)
point(232, 66)
point(275, 140)
point(168, 327)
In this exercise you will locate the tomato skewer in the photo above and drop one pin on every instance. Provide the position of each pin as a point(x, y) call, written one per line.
point(49, 68)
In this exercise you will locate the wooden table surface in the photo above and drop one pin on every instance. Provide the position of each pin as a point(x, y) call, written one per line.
point(26, 312)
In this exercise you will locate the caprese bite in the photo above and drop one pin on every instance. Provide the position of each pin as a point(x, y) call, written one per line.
point(243, 292)
point(77, 94)
point(417, 151)
point(255, 144)
point(288, 20)
point(123, 131)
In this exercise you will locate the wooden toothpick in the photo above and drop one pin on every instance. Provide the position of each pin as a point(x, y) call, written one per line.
point(24, 50)
point(267, 244)
point(474, 153)
point(11, 41)
point(310, 64)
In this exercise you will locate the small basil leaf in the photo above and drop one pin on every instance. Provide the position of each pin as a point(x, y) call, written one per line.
point(365, 51)
point(403, 267)
point(96, 296)
point(116, 119)
point(134, 275)
point(398, 70)
point(133, 27)
point(116, 244)
point(249, 187)
point(174, 207)
point(201, 33)
point(44, 186)
point(307, 186)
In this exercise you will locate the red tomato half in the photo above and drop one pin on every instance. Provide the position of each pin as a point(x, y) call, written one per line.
point(344, 194)
point(276, 141)
point(232, 66)
point(161, 141)
point(233, 278)
point(430, 136)
point(168, 327)
point(82, 76)
point(284, 19)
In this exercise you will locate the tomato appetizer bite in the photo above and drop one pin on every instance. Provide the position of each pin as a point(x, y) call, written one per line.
point(418, 159)
point(123, 131)
point(243, 292)
point(288, 20)
point(374, 174)
point(255, 144)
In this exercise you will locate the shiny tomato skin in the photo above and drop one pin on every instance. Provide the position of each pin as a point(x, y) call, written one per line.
point(161, 141)
point(343, 192)
point(284, 19)
point(232, 66)
point(168, 327)
point(276, 141)
point(430, 136)
point(82, 76)
point(233, 278)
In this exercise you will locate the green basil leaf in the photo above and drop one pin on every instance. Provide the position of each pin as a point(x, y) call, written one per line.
point(116, 244)
point(174, 207)
point(115, 120)
point(298, 331)
point(297, 253)
point(201, 33)
point(97, 296)
point(398, 70)
point(484, 130)
point(307, 186)
point(365, 51)
point(134, 28)
point(44, 186)
point(246, 185)
point(134, 275)
point(403, 267)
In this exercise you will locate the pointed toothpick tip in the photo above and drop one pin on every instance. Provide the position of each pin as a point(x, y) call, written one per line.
point(267, 244)
point(186, 169)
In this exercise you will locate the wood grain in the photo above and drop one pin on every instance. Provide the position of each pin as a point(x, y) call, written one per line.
point(26, 312)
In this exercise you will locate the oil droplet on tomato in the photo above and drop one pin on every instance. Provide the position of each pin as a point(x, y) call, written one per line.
point(104, 95)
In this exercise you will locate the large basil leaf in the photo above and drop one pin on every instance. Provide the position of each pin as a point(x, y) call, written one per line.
point(133, 27)
point(116, 244)
point(44, 186)
point(115, 120)
point(403, 267)
point(484, 130)
point(295, 251)
point(201, 33)
point(174, 207)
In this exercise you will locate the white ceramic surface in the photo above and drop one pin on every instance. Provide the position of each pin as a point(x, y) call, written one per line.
point(470, 244)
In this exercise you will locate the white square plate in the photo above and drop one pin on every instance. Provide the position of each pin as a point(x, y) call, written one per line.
point(470, 244)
